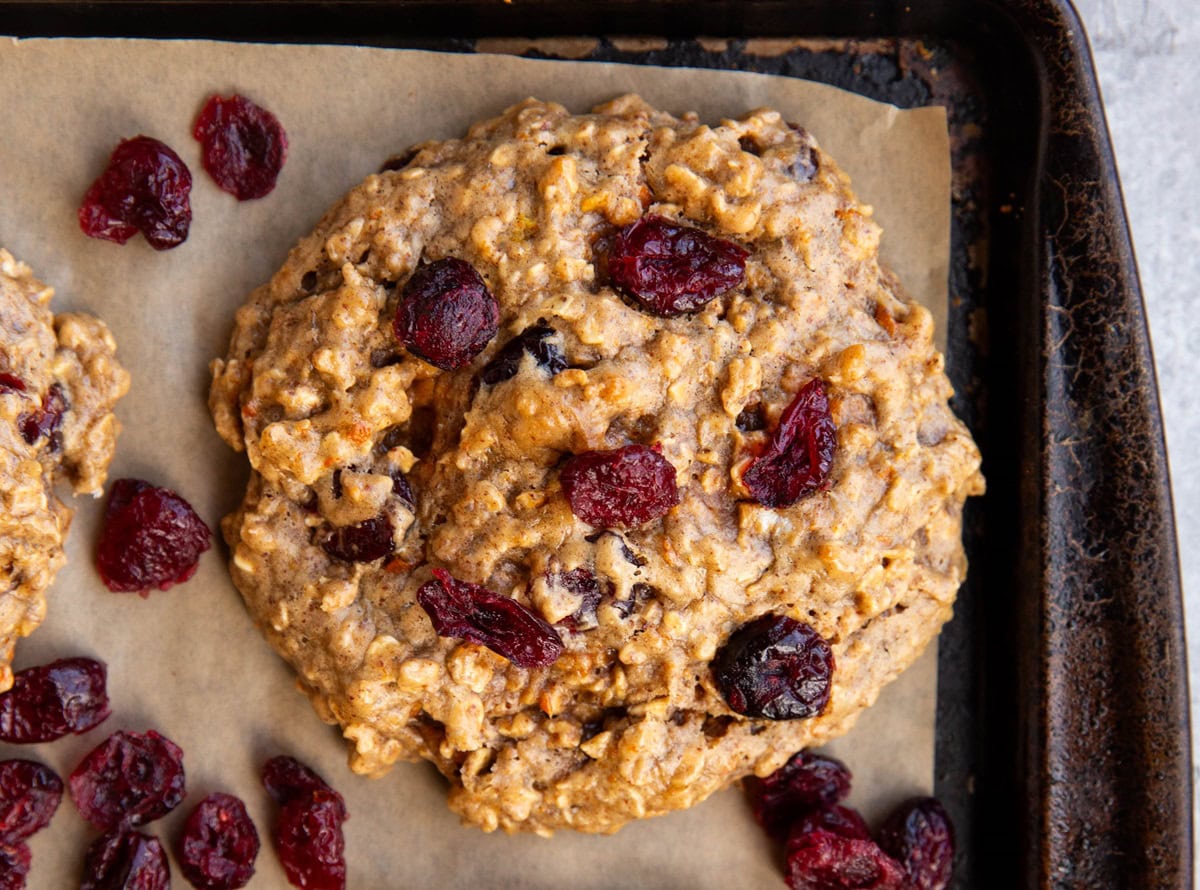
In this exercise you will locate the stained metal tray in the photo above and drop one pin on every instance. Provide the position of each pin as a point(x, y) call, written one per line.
point(1063, 745)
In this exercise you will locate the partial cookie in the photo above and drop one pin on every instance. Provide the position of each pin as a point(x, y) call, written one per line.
point(373, 468)
point(59, 381)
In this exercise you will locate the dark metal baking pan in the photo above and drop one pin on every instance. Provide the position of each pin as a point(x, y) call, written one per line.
point(1063, 738)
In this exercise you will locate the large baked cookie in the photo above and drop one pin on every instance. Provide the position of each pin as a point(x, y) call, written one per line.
point(59, 381)
point(581, 692)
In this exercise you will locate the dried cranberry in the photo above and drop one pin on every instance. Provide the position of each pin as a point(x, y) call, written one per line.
point(151, 538)
point(29, 795)
point(48, 702)
point(14, 866)
point(286, 778)
point(364, 542)
point(584, 585)
point(11, 383)
point(465, 610)
point(535, 340)
point(775, 667)
point(144, 188)
point(842, 821)
point(128, 779)
point(921, 836)
point(625, 487)
point(671, 269)
point(797, 459)
point(822, 860)
point(219, 844)
point(401, 488)
point(309, 840)
point(446, 314)
point(243, 146)
point(126, 860)
point(308, 835)
point(806, 782)
point(47, 419)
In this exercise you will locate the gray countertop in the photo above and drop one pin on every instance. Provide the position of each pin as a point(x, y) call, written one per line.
point(1147, 55)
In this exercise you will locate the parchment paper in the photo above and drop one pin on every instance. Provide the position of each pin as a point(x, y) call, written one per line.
point(188, 662)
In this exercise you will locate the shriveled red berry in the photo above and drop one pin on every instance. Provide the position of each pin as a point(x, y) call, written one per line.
point(152, 538)
point(775, 667)
point(921, 836)
point(308, 835)
point(286, 778)
point(534, 340)
point(129, 779)
point(842, 821)
point(49, 701)
point(446, 314)
point(46, 420)
point(822, 860)
point(363, 542)
point(471, 612)
point(29, 795)
point(805, 783)
point(799, 455)
point(622, 488)
point(126, 860)
point(670, 269)
point(14, 866)
point(11, 383)
point(219, 844)
point(584, 585)
point(243, 146)
point(145, 188)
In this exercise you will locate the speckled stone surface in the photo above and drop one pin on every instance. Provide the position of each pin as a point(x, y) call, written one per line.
point(1147, 55)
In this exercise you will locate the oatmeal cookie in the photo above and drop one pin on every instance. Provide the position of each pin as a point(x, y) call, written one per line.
point(514, 537)
point(59, 381)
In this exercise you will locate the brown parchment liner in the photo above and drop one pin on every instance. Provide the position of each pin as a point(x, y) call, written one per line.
point(188, 662)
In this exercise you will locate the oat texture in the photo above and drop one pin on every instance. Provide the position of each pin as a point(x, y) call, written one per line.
point(628, 722)
point(50, 365)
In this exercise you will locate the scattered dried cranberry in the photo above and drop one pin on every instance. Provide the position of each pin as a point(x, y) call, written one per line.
point(625, 487)
point(806, 782)
point(144, 188)
point(535, 340)
point(672, 269)
point(243, 146)
point(797, 459)
point(49, 701)
point(151, 538)
point(219, 844)
point(29, 795)
point(286, 778)
point(921, 836)
point(775, 667)
point(584, 585)
point(128, 779)
point(11, 383)
point(446, 314)
point(822, 860)
point(126, 860)
point(842, 821)
point(365, 542)
point(14, 866)
point(308, 835)
point(46, 420)
point(471, 612)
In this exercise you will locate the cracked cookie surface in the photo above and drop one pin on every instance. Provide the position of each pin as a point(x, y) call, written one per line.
point(59, 381)
point(359, 449)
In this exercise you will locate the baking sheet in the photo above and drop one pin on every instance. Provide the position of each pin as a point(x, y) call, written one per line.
point(188, 662)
